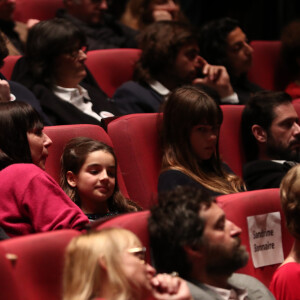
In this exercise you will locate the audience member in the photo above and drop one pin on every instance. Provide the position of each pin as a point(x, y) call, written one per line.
point(290, 52)
point(271, 139)
point(284, 284)
point(53, 68)
point(10, 90)
point(31, 200)
point(168, 60)
point(89, 178)
point(110, 264)
point(190, 134)
point(101, 29)
point(223, 42)
point(140, 13)
point(15, 32)
point(189, 234)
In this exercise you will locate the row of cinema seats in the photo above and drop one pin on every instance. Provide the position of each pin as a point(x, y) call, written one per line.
point(31, 266)
point(135, 139)
point(112, 67)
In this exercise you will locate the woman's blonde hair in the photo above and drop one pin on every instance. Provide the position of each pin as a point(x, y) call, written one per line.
point(187, 107)
point(82, 270)
point(290, 200)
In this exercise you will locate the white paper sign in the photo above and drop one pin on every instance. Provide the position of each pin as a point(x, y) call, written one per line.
point(265, 239)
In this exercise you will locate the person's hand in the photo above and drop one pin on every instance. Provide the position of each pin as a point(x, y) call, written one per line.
point(31, 22)
point(167, 287)
point(4, 91)
point(217, 78)
point(161, 15)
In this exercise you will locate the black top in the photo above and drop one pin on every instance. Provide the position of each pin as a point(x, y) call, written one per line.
point(8, 27)
point(264, 174)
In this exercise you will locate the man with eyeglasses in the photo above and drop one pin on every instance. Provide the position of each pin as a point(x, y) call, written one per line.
point(189, 234)
point(101, 29)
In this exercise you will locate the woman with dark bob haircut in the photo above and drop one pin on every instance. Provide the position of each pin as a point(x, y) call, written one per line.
point(31, 200)
point(53, 68)
point(190, 134)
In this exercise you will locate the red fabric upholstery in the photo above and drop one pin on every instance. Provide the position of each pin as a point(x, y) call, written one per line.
point(241, 205)
point(230, 142)
point(112, 67)
point(9, 284)
point(135, 140)
point(9, 64)
point(136, 222)
point(36, 9)
point(39, 265)
point(60, 135)
point(267, 69)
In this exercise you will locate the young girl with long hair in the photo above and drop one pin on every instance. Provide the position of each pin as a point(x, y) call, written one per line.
point(88, 176)
point(190, 134)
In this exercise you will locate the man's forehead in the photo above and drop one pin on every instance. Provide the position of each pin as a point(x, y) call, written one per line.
point(284, 111)
point(211, 213)
point(235, 36)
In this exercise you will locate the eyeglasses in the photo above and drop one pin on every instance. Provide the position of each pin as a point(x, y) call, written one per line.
point(139, 252)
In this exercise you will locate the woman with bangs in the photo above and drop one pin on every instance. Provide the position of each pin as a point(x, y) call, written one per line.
point(53, 68)
point(31, 200)
point(109, 264)
point(190, 135)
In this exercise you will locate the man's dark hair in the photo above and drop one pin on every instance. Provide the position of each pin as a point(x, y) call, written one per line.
point(213, 41)
point(160, 43)
point(175, 223)
point(259, 110)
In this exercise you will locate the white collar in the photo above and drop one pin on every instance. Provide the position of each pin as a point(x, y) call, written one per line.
point(159, 88)
point(68, 94)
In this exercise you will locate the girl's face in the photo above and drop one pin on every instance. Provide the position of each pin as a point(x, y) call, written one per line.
point(165, 10)
point(203, 139)
point(96, 179)
point(38, 143)
point(137, 270)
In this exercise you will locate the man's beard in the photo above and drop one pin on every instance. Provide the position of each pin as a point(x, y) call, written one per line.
point(223, 261)
point(278, 151)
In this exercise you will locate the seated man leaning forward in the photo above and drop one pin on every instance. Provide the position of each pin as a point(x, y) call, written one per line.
point(271, 139)
point(170, 59)
point(190, 235)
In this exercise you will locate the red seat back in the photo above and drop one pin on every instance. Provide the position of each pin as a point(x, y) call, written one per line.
point(267, 68)
point(241, 205)
point(136, 222)
point(60, 135)
point(36, 9)
point(9, 64)
point(136, 142)
point(112, 67)
point(39, 265)
point(230, 142)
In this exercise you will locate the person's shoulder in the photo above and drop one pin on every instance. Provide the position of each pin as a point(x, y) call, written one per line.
point(287, 272)
point(255, 288)
point(131, 86)
point(262, 164)
point(22, 170)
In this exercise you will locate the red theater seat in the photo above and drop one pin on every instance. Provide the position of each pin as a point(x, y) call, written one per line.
point(39, 265)
point(241, 205)
point(36, 9)
point(9, 64)
point(267, 68)
point(112, 67)
point(135, 139)
point(60, 135)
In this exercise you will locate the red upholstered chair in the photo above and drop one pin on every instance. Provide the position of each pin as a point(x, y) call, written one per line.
point(267, 69)
point(36, 9)
point(9, 285)
point(39, 265)
point(136, 143)
point(9, 64)
point(230, 142)
point(241, 205)
point(136, 222)
point(60, 135)
point(112, 67)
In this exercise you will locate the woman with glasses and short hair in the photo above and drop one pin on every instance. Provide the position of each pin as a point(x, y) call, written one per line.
point(110, 264)
point(54, 69)
point(190, 135)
